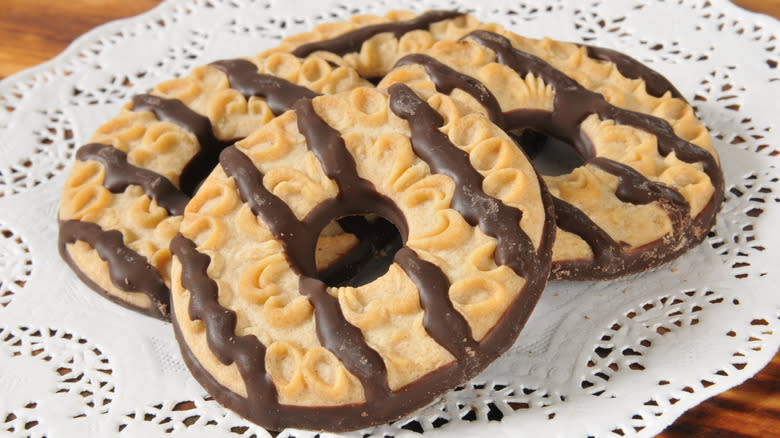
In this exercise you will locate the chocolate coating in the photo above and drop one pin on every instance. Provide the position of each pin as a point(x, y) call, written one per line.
point(175, 111)
point(278, 93)
point(655, 83)
point(120, 174)
point(494, 217)
point(448, 79)
point(352, 41)
point(129, 271)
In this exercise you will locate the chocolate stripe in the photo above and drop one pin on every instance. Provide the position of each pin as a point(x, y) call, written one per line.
point(120, 174)
point(635, 188)
point(128, 270)
point(175, 111)
point(261, 404)
point(569, 218)
point(247, 352)
point(441, 321)
point(446, 79)
point(275, 213)
point(280, 96)
point(346, 341)
point(328, 146)
point(611, 259)
point(433, 287)
point(493, 216)
point(352, 41)
point(655, 83)
point(278, 93)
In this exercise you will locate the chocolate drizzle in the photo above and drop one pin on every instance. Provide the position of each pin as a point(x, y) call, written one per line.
point(128, 270)
point(493, 216)
point(298, 237)
point(280, 96)
point(441, 321)
point(655, 83)
point(634, 188)
point(278, 93)
point(447, 79)
point(247, 352)
point(175, 111)
point(352, 41)
point(606, 252)
point(120, 174)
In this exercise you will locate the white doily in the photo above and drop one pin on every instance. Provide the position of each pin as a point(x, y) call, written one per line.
point(622, 358)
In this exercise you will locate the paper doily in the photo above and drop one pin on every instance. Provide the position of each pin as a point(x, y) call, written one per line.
point(622, 358)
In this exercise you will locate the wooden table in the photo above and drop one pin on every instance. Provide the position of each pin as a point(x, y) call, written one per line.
point(33, 31)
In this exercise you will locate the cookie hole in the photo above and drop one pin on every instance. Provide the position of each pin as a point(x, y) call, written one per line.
point(361, 257)
point(550, 156)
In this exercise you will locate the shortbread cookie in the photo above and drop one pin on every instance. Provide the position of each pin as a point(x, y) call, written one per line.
point(650, 185)
point(123, 200)
point(268, 339)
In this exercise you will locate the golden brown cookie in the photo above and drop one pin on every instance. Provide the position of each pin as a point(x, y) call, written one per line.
point(270, 340)
point(650, 185)
point(123, 200)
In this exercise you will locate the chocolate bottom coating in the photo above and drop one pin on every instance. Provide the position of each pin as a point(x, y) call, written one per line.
point(640, 259)
point(159, 298)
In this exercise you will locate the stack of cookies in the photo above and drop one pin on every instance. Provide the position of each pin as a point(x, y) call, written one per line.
point(345, 227)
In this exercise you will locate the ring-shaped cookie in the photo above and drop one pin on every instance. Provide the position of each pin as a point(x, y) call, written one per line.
point(123, 200)
point(650, 185)
point(270, 340)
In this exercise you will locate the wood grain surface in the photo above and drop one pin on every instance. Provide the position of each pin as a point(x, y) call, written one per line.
point(33, 31)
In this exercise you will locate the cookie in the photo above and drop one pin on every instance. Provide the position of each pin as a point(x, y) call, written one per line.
point(123, 200)
point(650, 184)
point(270, 340)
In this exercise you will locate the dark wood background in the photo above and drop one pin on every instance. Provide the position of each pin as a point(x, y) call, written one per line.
point(33, 31)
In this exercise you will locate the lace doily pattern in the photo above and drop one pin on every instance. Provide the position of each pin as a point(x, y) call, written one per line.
point(51, 361)
point(15, 265)
point(623, 358)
